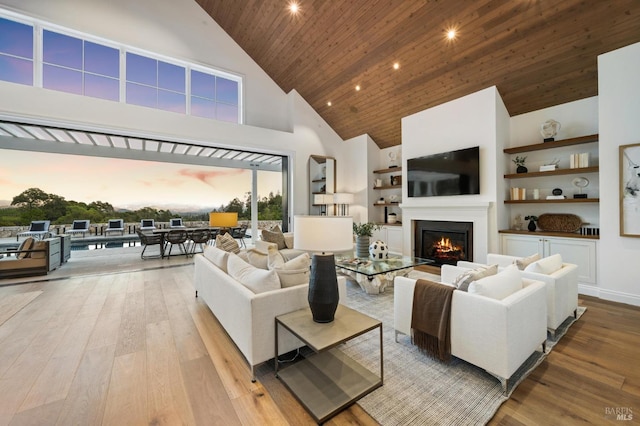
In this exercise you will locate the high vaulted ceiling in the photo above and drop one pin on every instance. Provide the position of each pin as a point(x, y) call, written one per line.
point(538, 53)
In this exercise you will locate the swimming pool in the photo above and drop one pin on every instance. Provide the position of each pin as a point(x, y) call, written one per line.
point(82, 245)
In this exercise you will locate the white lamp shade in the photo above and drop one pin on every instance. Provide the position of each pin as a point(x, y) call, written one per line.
point(323, 233)
point(343, 198)
point(322, 199)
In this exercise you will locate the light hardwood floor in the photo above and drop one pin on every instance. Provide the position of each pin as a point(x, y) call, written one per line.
point(137, 347)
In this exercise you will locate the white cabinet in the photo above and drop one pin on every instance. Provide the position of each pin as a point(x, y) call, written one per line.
point(581, 252)
point(392, 235)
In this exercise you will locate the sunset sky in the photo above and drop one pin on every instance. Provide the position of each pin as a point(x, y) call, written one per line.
point(129, 184)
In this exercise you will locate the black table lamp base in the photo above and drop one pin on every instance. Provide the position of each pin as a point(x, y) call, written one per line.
point(323, 288)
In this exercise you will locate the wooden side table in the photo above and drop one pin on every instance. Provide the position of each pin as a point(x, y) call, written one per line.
point(328, 381)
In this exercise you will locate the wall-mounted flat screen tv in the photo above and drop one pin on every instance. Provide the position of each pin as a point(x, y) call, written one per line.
point(446, 173)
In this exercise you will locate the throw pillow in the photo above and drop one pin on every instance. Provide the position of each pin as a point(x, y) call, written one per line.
point(27, 244)
point(288, 240)
point(293, 272)
point(274, 258)
point(547, 265)
point(293, 277)
point(40, 245)
point(255, 279)
point(227, 243)
point(274, 236)
point(463, 280)
point(526, 261)
point(257, 258)
point(217, 257)
point(500, 285)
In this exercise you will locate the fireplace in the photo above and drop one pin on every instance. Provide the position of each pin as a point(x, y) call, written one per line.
point(444, 242)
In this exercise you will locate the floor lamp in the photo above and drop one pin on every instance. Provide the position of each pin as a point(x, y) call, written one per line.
point(323, 235)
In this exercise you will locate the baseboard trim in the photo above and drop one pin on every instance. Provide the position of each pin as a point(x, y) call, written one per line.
point(611, 295)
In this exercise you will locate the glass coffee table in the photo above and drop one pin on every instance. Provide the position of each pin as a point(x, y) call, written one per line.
point(374, 276)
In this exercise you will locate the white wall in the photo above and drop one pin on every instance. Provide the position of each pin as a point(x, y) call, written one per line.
point(178, 29)
point(619, 111)
point(478, 119)
point(276, 122)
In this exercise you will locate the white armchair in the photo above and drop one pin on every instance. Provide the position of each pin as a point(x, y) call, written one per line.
point(495, 335)
point(561, 285)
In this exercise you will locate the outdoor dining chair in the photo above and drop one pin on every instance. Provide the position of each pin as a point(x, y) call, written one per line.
point(151, 240)
point(177, 237)
point(199, 237)
point(239, 234)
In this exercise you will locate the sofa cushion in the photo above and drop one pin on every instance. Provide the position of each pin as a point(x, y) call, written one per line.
point(526, 261)
point(274, 236)
point(216, 256)
point(255, 279)
point(257, 258)
point(463, 280)
point(227, 243)
point(498, 286)
point(546, 265)
point(293, 277)
point(27, 244)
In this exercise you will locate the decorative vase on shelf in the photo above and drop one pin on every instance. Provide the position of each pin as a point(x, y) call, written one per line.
point(362, 245)
point(532, 225)
point(521, 169)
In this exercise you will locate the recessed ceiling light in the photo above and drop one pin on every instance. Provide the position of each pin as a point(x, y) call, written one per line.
point(396, 65)
point(329, 103)
point(357, 87)
point(294, 8)
point(451, 33)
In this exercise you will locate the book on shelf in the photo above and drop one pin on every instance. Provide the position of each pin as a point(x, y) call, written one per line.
point(556, 197)
point(577, 161)
point(518, 193)
point(547, 167)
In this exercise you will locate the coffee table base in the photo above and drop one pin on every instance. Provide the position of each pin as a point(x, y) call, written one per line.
point(378, 283)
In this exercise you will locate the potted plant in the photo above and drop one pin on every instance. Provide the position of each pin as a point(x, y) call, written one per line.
point(520, 163)
point(532, 222)
point(363, 232)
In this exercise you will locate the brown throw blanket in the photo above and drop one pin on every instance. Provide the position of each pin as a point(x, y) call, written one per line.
point(431, 318)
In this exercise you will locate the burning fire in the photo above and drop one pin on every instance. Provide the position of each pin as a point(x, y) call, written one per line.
point(445, 245)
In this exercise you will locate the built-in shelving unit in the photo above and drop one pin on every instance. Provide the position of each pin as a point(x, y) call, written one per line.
point(543, 183)
point(389, 190)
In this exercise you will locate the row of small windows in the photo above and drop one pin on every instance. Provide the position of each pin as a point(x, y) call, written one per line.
point(74, 65)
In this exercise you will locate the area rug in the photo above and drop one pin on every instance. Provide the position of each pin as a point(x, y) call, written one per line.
point(417, 389)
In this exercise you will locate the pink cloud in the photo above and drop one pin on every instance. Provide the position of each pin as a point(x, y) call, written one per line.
point(209, 176)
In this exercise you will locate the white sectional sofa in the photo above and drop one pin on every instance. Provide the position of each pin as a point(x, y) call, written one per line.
point(495, 335)
point(560, 278)
point(248, 317)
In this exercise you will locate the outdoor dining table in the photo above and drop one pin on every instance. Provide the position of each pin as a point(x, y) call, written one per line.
point(164, 231)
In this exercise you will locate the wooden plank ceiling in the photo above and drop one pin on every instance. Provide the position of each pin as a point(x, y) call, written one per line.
point(538, 53)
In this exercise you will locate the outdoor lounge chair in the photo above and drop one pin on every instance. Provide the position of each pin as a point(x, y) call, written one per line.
point(79, 227)
point(39, 229)
point(115, 225)
point(147, 225)
point(176, 223)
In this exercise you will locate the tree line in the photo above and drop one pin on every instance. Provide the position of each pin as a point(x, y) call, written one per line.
point(36, 204)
